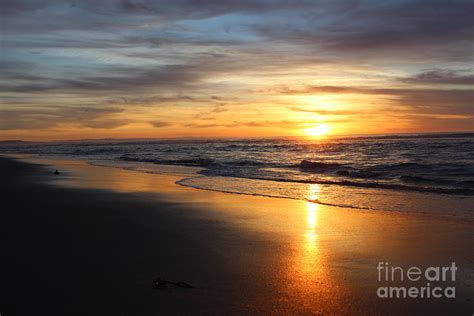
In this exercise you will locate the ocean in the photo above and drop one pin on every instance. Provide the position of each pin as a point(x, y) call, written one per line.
point(367, 172)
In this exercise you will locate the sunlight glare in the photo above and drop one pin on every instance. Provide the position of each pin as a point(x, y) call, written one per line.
point(318, 131)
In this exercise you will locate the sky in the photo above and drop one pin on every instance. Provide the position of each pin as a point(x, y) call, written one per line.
point(208, 68)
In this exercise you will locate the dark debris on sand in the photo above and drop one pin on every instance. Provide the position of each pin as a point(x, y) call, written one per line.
point(162, 284)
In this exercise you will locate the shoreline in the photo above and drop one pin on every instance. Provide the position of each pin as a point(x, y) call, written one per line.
point(445, 206)
point(243, 254)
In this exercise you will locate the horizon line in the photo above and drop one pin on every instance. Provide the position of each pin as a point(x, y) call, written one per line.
point(228, 138)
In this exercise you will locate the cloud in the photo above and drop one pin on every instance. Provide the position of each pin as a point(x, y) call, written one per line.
point(105, 123)
point(441, 76)
point(325, 112)
point(160, 124)
point(106, 15)
point(150, 100)
point(118, 80)
point(220, 108)
point(207, 125)
point(214, 58)
point(284, 124)
point(419, 29)
point(48, 117)
point(338, 27)
point(436, 101)
point(434, 123)
point(439, 101)
point(11, 7)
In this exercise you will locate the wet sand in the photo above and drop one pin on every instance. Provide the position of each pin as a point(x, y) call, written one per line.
point(91, 239)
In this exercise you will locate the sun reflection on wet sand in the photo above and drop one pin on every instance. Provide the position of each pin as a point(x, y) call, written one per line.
point(310, 244)
point(309, 284)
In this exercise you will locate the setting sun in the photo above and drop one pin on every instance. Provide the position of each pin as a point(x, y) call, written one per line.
point(318, 131)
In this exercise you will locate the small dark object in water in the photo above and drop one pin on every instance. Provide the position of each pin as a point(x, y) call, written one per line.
point(56, 171)
point(161, 284)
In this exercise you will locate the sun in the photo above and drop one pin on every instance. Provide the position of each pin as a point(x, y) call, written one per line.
point(320, 130)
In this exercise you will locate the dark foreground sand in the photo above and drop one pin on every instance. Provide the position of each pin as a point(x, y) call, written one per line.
point(80, 249)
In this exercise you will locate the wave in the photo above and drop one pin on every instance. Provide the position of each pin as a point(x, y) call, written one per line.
point(412, 136)
point(406, 166)
point(421, 180)
point(183, 182)
point(318, 165)
point(437, 181)
point(426, 163)
point(343, 169)
point(360, 174)
point(376, 185)
point(392, 177)
point(198, 162)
